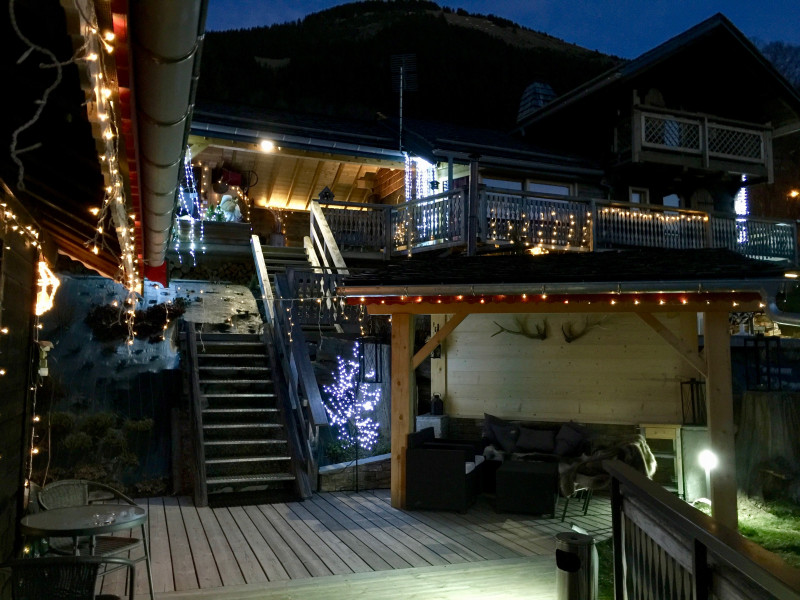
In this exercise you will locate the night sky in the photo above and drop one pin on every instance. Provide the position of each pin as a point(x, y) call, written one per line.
point(625, 28)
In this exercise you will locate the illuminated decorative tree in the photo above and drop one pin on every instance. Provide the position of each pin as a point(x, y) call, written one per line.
point(349, 405)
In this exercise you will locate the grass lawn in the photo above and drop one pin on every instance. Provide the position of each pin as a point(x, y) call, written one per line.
point(773, 525)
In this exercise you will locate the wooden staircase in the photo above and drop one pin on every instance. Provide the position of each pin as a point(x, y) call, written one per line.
point(244, 443)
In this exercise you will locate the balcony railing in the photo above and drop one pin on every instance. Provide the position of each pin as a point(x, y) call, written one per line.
point(712, 142)
point(554, 223)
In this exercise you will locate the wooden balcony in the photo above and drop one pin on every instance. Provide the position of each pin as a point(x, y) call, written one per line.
point(507, 220)
point(695, 141)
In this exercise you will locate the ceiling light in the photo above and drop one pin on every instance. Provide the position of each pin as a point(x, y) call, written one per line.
point(266, 146)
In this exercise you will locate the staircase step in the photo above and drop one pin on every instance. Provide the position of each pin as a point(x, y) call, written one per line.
point(231, 355)
point(232, 368)
point(252, 479)
point(234, 381)
point(219, 426)
point(235, 396)
point(229, 443)
point(232, 411)
point(217, 338)
point(245, 459)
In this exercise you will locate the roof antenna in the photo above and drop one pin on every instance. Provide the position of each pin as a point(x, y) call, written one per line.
point(404, 77)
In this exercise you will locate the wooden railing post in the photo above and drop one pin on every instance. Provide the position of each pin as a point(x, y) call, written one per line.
point(616, 524)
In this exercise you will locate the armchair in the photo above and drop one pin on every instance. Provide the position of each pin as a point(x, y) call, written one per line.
point(441, 474)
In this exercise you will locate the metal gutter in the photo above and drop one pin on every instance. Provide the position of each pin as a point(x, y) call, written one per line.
point(606, 287)
point(167, 38)
point(294, 141)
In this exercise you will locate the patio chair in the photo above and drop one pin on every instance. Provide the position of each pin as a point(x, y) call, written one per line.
point(79, 492)
point(63, 577)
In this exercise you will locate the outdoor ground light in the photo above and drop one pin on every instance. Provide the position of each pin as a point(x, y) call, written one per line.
point(708, 461)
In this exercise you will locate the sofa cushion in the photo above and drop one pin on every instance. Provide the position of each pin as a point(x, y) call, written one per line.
point(568, 440)
point(506, 436)
point(535, 440)
point(486, 432)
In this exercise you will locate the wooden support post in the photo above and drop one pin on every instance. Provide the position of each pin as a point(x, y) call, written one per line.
point(720, 417)
point(402, 401)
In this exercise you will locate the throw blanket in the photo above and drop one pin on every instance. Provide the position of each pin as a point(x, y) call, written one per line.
point(587, 471)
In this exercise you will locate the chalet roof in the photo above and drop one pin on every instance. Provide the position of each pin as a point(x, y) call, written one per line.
point(664, 269)
point(313, 132)
point(435, 140)
point(712, 59)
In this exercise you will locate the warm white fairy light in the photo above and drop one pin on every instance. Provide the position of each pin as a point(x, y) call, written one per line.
point(48, 284)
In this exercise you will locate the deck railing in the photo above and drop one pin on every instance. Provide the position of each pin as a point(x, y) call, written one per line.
point(665, 549)
point(627, 225)
point(427, 222)
point(562, 223)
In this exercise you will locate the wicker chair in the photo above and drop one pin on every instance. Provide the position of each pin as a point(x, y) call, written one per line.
point(79, 492)
point(63, 577)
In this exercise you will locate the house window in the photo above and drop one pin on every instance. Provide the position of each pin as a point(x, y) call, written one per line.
point(555, 189)
point(638, 195)
point(502, 184)
point(673, 201)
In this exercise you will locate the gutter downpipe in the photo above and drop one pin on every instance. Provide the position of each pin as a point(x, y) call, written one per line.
point(167, 38)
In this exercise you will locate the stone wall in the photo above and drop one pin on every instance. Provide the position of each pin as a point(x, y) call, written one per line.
point(374, 473)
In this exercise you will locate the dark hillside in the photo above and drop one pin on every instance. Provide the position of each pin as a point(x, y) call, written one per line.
point(471, 69)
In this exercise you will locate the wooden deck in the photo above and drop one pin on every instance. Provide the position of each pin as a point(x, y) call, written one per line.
point(344, 545)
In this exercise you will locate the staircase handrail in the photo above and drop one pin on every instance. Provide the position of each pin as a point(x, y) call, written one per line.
point(304, 463)
point(196, 404)
point(267, 297)
point(325, 246)
point(290, 352)
point(290, 341)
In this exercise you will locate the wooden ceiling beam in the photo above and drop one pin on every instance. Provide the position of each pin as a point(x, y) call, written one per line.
point(337, 177)
point(355, 183)
point(295, 172)
point(314, 180)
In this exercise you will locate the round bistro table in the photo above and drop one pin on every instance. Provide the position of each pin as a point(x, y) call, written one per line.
point(89, 520)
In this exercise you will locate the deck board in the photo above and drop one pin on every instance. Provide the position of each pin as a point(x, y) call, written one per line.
point(353, 545)
point(205, 566)
point(160, 557)
point(327, 555)
point(182, 563)
point(254, 535)
point(246, 557)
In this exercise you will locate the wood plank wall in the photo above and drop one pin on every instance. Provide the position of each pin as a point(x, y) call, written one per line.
point(17, 285)
point(619, 372)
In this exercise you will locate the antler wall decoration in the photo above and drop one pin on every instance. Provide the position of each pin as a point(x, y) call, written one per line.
point(541, 329)
point(571, 334)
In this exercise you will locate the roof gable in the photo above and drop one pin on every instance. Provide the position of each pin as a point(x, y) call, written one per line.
point(709, 62)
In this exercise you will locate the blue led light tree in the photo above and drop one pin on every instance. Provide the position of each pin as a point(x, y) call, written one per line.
point(350, 405)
